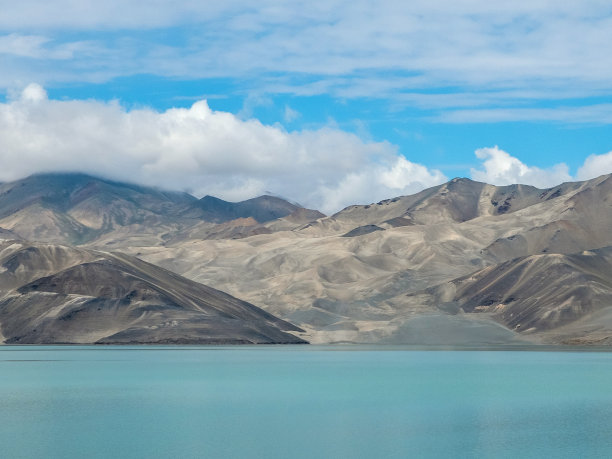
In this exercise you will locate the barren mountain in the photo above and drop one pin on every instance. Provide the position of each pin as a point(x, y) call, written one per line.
point(346, 277)
point(261, 209)
point(375, 273)
point(553, 297)
point(77, 209)
point(57, 294)
point(459, 200)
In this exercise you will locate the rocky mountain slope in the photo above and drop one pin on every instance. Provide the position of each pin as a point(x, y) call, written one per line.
point(58, 294)
point(261, 209)
point(396, 271)
point(562, 298)
point(77, 209)
point(457, 201)
point(345, 283)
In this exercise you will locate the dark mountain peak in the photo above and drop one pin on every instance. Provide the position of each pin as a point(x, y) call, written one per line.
point(214, 204)
point(208, 199)
point(262, 208)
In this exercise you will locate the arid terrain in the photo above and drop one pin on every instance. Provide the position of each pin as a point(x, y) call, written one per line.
point(464, 263)
point(58, 294)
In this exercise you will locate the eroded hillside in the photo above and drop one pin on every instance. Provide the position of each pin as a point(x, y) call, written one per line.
point(380, 272)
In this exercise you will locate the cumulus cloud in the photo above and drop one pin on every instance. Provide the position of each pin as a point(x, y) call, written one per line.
point(201, 150)
point(377, 182)
point(33, 93)
point(500, 168)
point(594, 166)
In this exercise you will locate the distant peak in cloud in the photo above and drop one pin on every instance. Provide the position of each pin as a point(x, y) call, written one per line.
point(218, 153)
point(207, 151)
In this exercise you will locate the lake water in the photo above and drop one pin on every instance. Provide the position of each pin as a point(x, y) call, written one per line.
point(302, 401)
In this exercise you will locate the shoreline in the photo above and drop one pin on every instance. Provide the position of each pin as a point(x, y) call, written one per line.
point(352, 347)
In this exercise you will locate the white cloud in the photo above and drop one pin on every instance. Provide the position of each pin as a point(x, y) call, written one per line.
point(251, 102)
point(404, 175)
point(594, 166)
point(33, 93)
point(218, 153)
point(42, 47)
point(500, 168)
point(377, 182)
point(592, 114)
point(201, 150)
point(347, 48)
point(22, 45)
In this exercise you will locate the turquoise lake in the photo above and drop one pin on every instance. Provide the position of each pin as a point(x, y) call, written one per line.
point(302, 401)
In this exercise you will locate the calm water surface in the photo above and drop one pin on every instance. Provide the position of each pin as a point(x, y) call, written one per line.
point(315, 402)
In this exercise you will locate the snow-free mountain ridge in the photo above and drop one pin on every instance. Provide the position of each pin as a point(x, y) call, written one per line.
point(461, 263)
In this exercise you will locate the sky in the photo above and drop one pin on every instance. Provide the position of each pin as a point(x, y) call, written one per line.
point(326, 103)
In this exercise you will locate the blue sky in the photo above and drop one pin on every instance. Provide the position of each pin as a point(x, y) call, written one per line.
point(328, 103)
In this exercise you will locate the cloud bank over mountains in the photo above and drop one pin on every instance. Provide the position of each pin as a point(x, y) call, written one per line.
point(201, 151)
point(212, 152)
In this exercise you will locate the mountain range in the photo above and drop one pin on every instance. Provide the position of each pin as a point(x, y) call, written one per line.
point(463, 263)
